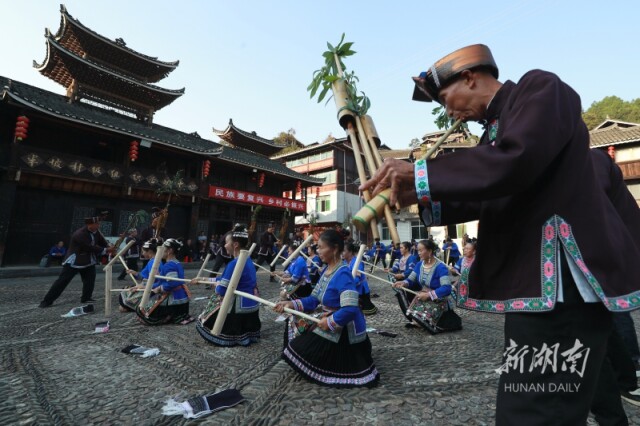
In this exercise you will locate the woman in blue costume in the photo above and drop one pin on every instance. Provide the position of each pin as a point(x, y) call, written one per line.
point(362, 285)
point(169, 301)
point(337, 351)
point(401, 269)
point(432, 308)
point(295, 277)
point(242, 325)
point(315, 265)
point(130, 298)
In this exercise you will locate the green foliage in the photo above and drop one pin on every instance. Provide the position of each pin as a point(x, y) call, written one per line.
point(443, 121)
point(171, 186)
point(286, 138)
point(324, 77)
point(614, 108)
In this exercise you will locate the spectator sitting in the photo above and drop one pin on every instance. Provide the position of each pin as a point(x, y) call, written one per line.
point(57, 253)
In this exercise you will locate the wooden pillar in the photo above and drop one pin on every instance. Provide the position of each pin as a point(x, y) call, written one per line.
point(7, 196)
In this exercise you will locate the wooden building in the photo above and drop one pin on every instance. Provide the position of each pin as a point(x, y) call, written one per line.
point(97, 149)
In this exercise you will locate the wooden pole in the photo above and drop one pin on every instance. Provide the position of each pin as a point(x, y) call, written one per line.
point(388, 282)
point(229, 298)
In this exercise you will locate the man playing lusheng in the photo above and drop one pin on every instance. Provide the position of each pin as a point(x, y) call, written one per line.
point(554, 251)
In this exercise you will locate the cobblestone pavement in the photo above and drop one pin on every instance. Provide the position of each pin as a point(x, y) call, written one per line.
point(58, 371)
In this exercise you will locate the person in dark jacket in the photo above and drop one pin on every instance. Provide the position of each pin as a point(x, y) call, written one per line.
point(86, 247)
point(554, 250)
point(266, 253)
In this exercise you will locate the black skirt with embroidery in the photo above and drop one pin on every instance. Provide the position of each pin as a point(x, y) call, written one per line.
point(340, 365)
point(239, 328)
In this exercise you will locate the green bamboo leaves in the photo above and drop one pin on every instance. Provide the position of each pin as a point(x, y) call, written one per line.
point(332, 71)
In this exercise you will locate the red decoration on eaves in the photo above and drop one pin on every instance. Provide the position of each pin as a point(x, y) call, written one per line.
point(133, 150)
point(206, 166)
point(22, 126)
point(261, 180)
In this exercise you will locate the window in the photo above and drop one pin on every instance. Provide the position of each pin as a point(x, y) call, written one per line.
point(418, 230)
point(329, 177)
point(323, 203)
point(386, 235)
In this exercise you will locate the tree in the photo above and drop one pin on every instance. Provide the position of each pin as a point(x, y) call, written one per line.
point(614, 108)
point(286, 139)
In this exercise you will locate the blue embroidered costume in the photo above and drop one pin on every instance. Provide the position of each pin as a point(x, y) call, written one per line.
point(340, 357)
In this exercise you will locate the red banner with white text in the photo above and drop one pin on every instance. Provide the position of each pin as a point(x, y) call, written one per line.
point(227, 194)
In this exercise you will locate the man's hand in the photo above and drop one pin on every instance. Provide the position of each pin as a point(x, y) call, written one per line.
point(397, 175)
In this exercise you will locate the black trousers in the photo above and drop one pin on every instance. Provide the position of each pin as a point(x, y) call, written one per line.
point(623, 323)
point(132, 263)
point(378, 258)
point(531, 395)
point(618, 373)
point(87, 274)
point(266, 258)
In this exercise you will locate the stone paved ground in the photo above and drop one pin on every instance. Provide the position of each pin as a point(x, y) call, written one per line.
point(57, 371)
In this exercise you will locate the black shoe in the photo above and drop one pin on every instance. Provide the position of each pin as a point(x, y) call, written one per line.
point(272, 280)
point(44, 304)
point(89, 300)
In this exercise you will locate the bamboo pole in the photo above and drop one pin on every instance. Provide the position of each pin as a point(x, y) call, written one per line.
point(228, 300)
point(125, 268)
point(114, 259)
point(108, 280)
point(387, 281)
point(271, 304)
point(206, 259)
point(152, 276)
point(297, 251)
point(356, 265)
point(284, 246)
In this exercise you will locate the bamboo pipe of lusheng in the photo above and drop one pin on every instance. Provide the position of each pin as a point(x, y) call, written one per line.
point(373, 158)
point(344, 116)
point(374, 208)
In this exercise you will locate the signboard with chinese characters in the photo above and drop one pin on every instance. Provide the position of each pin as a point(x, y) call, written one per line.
point(220, 193)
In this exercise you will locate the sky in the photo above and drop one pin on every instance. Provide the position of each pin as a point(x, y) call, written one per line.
point(251, 61)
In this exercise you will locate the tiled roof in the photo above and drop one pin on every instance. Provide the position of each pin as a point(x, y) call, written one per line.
point(56, 105)
point(111, 51)
point(313, 147)
point(400, 154)
point(247, 140)
point(615, 134)
point(63, 66)
point(251, 159)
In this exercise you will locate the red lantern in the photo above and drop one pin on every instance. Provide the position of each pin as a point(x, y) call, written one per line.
point(22, 126)
point(317, 191)
point(261, 180)
point(299, 187)
point(612, 152)
point(133, 150)
point(206, 166)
